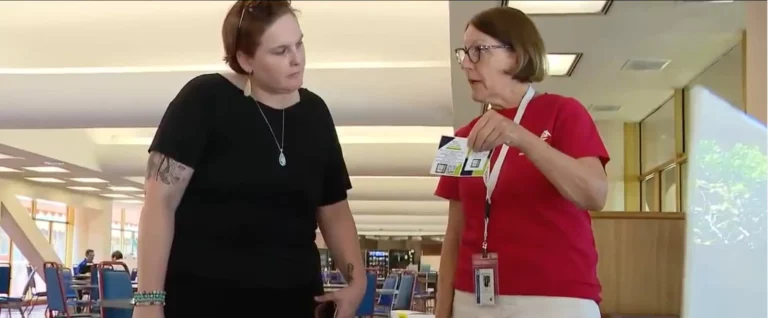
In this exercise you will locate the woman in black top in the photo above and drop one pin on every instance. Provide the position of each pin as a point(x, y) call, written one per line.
point(242, 170)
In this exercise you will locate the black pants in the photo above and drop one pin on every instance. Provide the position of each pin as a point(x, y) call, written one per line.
point(195, 296)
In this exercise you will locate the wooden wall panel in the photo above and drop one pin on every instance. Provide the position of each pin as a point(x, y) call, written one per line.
point(641, 261)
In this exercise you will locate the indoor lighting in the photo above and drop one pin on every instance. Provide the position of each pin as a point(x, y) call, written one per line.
point(140, 195)
point(131, 201)
point(45, 180)
point(116, 196)
point(89, 180)
point(562, 64)
point(46, 169)
point(84, 188)
point(125, 189)
point(560, 7)
point(6, 169)
point(4, 156)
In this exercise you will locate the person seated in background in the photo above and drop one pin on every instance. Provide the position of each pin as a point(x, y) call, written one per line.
point(117, 256)
point(85, 266)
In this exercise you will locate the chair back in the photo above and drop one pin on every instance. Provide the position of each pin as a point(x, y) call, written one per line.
point(405, 291)
point(5, 279)
point(367, 305)
point(95, 282)
point(134, 274)
point(55, 290)
point(115, 284)
point(390, 283)
point(67, 279)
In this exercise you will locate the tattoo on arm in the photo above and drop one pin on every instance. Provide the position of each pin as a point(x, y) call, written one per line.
point(164, 169)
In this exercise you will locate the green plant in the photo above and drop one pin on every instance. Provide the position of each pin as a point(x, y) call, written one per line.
point(729, 197)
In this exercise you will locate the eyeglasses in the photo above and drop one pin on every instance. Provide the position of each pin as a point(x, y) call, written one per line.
point(473, 53)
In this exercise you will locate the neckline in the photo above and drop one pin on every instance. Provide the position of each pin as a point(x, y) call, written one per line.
point(258, 103)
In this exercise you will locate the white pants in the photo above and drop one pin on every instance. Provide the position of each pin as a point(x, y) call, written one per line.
point(525, 307)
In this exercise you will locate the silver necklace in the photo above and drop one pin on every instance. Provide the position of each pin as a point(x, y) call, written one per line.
point(281, 158)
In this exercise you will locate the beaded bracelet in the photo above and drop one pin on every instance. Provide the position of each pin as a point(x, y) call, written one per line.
point(153, 298)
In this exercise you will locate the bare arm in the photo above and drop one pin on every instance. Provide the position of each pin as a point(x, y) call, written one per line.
point(164, 186)
point(340, 233)
point(582, 181)
point(448, 259)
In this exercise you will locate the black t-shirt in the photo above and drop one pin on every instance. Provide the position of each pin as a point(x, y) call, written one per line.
point(242, 209)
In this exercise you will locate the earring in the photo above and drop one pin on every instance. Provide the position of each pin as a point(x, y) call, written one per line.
point(247, 88)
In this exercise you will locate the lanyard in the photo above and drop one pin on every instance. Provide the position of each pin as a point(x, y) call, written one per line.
point(491, 176)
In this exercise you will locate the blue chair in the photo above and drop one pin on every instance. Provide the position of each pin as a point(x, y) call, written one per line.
point(387, 296)
point(13, 302)
point(57, 300)
point(36, 294)
point(115, 284)
point(404, 296)
point(134, 274)
point(367, 304)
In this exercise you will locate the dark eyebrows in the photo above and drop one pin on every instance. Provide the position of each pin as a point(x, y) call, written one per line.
point(285, 46)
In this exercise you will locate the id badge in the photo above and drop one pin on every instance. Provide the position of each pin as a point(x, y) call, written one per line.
point(486, 271)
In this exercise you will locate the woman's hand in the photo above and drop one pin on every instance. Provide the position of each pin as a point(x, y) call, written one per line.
point(347, 299)
point(493, 130)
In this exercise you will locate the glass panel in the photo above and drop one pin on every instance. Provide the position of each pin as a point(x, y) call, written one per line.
point(26, 203)
point(116, 226)
point(650, 193)
point(18, 271)
point(44, 227)
point(657, 139)
point(116, 240)
point(59, 239)
point(55, 216)
point(5, 247)
point(127, 248)
point(684, 186)
point(669, 189)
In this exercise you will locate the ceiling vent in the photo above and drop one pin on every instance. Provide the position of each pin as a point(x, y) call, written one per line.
point(645, 65)
point(604, 108)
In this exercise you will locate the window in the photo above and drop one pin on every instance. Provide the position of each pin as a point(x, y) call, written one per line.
point(53, 219)
point(125, 231)
point(657, 137)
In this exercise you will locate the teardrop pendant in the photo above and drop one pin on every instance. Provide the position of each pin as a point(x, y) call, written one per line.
point(281, 159)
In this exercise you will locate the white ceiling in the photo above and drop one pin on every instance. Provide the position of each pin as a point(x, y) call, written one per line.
point(93, 77)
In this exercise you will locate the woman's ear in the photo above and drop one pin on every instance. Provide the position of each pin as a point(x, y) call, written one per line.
point(244, 61)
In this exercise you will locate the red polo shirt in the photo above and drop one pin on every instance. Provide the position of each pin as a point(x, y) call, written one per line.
point(544, 242)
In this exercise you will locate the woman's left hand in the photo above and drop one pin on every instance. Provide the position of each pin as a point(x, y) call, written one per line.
point(346, 299)
point(493, 130)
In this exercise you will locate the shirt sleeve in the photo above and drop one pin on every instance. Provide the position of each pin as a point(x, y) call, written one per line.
point(183, 131)
point(448, 187)
point(336, 180)
point(575, 133)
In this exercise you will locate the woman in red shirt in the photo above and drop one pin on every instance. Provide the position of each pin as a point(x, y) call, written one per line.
point(519, 241)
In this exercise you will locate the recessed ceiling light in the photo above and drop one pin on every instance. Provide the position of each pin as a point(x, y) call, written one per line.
point(560, 7)
point(4, 156)
point(131, 201)
point(46, 169)
point(116, 196)
point(89, 180)
point(45, 180)
point(6, 169)
point(562, 64)
point(125, 189)
point(140, 195)
point(84, 188)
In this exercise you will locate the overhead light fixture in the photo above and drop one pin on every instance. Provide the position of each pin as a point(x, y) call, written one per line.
point(45, 180)
point(4, 156)
point(116, 196)
point(125, 189)
point(140, 195)
point(6, 169)
point(131, 201)
point(562, 64)
point(84, 188)
point(47, 169)
point(89, 180)
point(560, 7)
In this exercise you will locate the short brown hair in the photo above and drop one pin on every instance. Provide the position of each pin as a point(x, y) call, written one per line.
point(512, 27)
point(244, 36)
